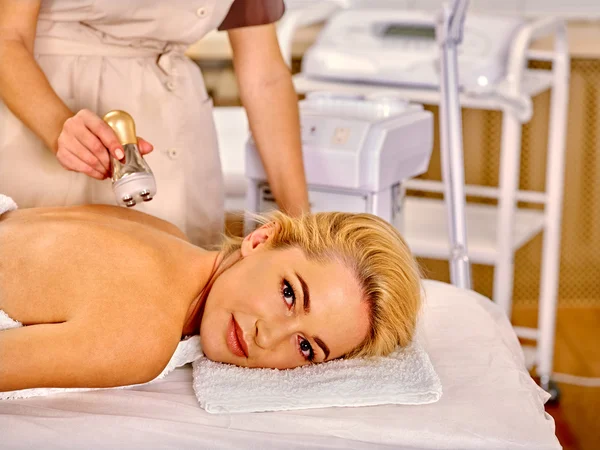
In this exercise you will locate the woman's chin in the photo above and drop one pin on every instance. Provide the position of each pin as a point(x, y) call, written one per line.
point(220, 358)
point(212, 351)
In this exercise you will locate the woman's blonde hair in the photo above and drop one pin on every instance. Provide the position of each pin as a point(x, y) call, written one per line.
point(382, 262)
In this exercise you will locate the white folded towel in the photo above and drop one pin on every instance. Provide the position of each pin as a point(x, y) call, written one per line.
point(187, 350)
point(406, 377)
point(6, 204)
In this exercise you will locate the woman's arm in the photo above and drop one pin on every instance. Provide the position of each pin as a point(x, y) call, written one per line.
point(75, 354)
point(80, 141)
point(267, 92)
point(23, 86)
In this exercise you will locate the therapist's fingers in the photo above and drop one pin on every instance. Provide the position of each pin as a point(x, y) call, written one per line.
point(71, 161)
point(89, 141)
point(69, 144)
point(85, 155)
point(144, 146)
point(103, 132)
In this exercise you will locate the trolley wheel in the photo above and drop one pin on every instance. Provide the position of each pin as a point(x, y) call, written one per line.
point(551, 388)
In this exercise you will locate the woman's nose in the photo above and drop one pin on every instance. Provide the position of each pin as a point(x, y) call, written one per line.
point(270, 333)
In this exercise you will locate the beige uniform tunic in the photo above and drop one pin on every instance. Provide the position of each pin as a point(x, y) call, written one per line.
point(129, 55)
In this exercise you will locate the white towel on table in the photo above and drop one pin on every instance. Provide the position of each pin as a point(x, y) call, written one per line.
point(406, 377)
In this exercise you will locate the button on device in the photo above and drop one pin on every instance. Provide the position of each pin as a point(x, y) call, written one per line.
point(340, 135)
point(173, 153)
point(201, 12)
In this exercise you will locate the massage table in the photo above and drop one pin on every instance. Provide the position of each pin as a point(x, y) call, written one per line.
point(489, 402)
point(489, 399)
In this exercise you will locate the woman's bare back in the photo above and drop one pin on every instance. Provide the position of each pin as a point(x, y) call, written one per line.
point(109, 284)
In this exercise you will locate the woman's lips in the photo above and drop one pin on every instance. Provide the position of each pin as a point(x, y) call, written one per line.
point(235, 339)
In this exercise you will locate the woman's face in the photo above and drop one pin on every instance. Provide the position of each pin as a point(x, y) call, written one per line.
point(277, 309)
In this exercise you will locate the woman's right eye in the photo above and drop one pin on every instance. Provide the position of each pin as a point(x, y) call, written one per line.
point(289, 297)
point(306, 349)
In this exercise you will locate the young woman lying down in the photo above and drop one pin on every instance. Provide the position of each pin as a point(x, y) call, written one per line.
point(106, 294)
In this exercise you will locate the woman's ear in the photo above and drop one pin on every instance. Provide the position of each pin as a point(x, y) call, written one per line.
point(258, 239)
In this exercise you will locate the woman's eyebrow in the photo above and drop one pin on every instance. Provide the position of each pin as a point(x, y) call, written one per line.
point(306, 297)
point(305, 293)
point(324, 347)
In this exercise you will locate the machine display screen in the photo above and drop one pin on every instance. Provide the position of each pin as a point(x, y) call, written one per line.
point(409, 31)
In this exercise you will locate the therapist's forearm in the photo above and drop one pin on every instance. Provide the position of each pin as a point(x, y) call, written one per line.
point(28, 94)
point(272, 107)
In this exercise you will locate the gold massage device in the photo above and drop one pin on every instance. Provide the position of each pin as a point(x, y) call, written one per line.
point(132, 178)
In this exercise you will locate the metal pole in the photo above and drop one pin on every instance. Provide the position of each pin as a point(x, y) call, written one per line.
point(559, 105)
point(449, 35)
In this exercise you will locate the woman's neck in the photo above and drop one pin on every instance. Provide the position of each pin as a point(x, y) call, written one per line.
point(209, 262)
point(212, 265)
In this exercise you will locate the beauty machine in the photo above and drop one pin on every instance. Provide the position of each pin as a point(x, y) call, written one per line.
point(357, 152)
point(398, 47)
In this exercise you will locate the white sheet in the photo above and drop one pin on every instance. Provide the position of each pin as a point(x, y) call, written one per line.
point(489, 402)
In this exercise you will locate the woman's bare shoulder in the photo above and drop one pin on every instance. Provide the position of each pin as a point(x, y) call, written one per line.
point(104, 211)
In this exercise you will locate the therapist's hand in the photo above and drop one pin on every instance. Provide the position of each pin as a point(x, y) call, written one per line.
point(85, 142)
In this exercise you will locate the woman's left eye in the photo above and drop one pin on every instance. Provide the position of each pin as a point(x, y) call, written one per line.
point(288, 294)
